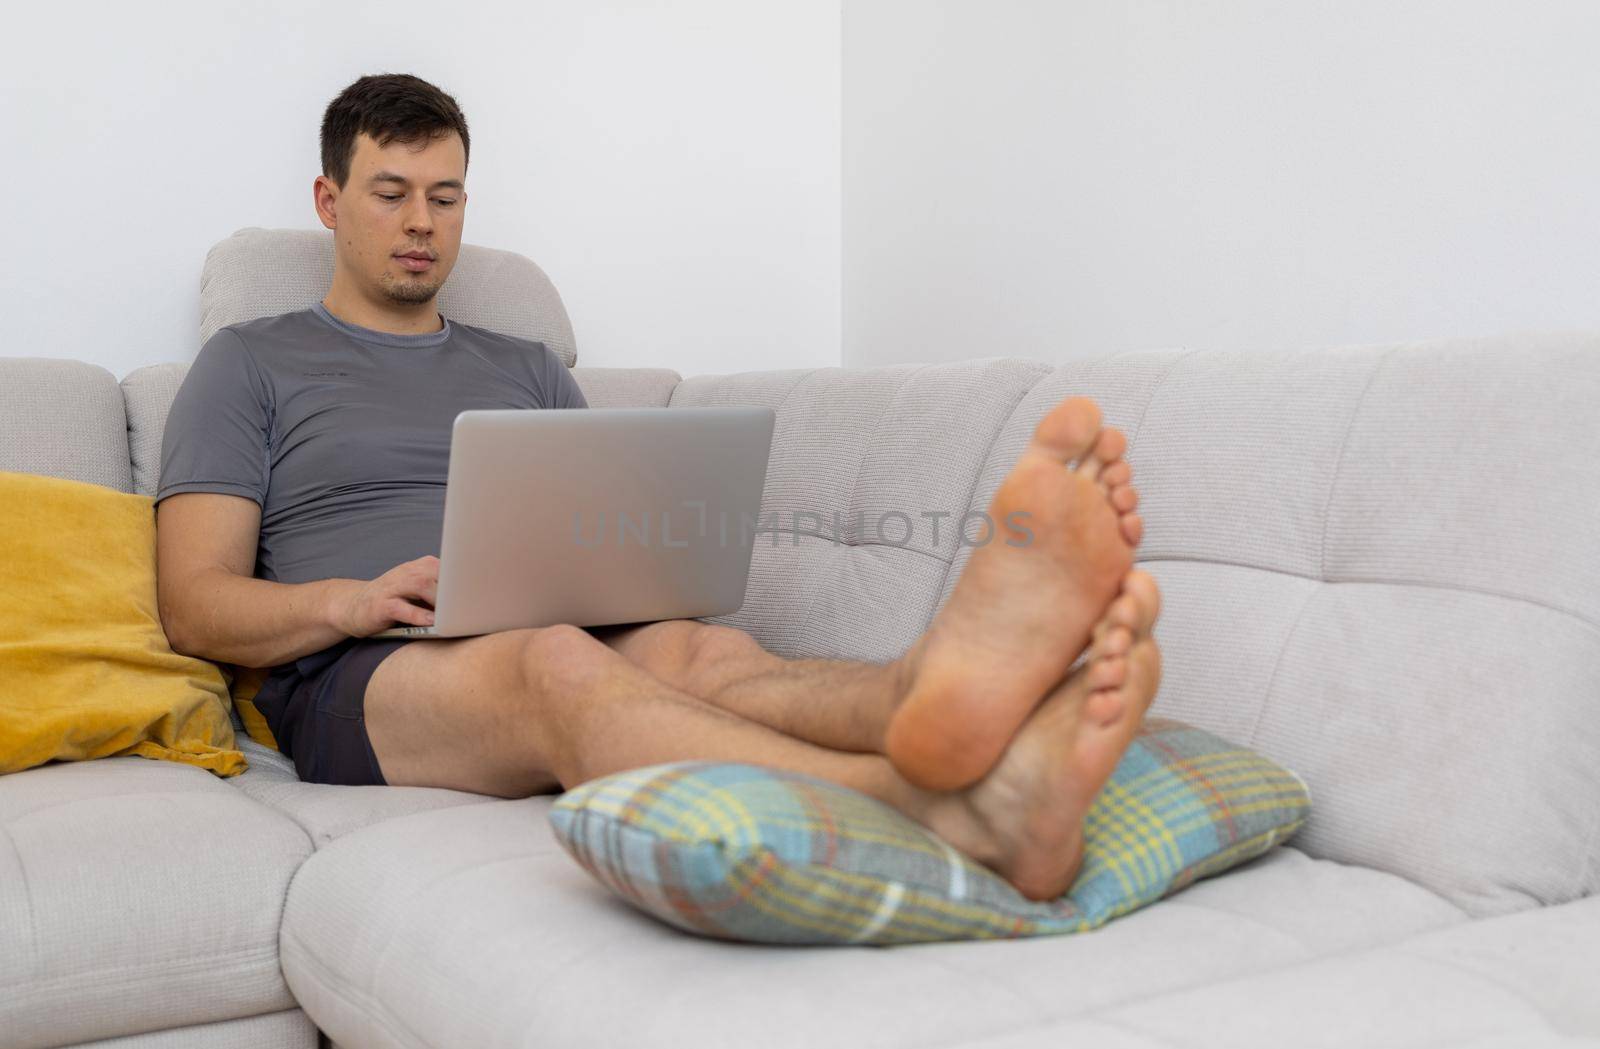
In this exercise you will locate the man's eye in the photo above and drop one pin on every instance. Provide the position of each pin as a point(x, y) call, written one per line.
point(437, 200)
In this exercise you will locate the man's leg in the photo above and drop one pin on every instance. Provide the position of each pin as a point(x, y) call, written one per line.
point(535, 711)
point(531, 711)
point(839, 704)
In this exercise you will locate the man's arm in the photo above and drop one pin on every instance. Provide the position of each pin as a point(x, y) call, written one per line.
point(213, 607)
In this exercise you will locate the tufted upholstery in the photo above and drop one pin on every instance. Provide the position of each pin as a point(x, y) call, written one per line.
point(1374, 569)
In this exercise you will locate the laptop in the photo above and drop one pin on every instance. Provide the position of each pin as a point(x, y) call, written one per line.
point(595, 516)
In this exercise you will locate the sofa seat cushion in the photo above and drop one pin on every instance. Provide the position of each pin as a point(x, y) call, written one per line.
point(1525, 981)
point(137, 896)
point(471, 926)
point(290, 1029)
point(326, 811)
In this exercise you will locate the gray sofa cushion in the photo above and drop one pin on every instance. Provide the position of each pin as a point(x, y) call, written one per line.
point(147, 395)
point(65, 419)
point(626, 387)
point(1378, 568)
point(470, 926)
point(290, 1029)
point(138, 895)
point(263, 272)
point(326, 811)
point(866, 444)
point(1522, 981)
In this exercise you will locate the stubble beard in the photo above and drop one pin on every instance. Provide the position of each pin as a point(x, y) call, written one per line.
point(410, 292)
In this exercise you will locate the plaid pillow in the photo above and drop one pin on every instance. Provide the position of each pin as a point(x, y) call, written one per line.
point(748, 852)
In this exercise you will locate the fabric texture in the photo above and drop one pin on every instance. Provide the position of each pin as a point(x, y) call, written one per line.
point(137, 896)
point(627, 387)
point(147, 395)
point(1522, 981)
point(289, 1029)
point(747, 852)
point(63, 419)
point(1449, 651)
point(327, 811)
point(85, 668)
point(435, 924)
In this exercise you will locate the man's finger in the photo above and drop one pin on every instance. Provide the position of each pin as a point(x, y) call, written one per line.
point(405, 612)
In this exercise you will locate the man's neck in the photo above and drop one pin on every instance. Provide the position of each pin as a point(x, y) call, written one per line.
point(425, 320)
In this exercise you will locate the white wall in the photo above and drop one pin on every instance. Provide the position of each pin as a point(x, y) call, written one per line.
point(1062, 180)
point(1018, 176)
point(673, 167)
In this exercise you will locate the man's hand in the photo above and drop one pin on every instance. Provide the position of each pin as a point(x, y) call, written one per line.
point(404, 594)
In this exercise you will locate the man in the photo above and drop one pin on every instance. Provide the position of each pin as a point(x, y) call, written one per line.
point(301, 498)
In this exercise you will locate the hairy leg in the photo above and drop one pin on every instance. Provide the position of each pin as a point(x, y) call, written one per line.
point(522, 712)
point(838, 704)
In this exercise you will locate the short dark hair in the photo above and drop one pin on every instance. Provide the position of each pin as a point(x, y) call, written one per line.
point(387, 107)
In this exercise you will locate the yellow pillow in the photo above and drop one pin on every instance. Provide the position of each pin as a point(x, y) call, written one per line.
point(243, 685)
point(85, 668)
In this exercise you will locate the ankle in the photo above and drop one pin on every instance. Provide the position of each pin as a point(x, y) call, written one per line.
point(899, 676)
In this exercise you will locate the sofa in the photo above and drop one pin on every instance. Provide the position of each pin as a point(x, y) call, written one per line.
point(1380, 567)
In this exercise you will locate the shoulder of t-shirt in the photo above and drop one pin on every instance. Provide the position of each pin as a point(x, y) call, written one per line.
point(244, 335)
point(266, 329)
point(530, 347)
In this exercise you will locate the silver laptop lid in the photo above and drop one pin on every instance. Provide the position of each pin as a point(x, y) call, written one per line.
point(599, 515)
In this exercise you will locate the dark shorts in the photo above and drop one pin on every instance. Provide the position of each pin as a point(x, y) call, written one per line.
point(315, 707)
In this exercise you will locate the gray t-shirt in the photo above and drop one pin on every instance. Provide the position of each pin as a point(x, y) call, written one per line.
point(342, 433)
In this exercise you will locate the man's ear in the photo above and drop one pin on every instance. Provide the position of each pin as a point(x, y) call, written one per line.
point(330, 220)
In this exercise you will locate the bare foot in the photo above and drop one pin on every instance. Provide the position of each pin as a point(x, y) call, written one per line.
point(1025, 819)
point(1025, 605)
point(1130, 616)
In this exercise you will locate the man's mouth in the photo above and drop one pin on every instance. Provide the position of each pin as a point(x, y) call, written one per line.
point(415, 261)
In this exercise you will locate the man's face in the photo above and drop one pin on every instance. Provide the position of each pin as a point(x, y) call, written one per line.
point(400, 198)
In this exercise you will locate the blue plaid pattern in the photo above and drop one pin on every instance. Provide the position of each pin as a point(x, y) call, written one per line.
point(748, 852)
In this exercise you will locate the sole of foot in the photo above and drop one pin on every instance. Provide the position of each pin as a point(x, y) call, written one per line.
point(1026, 604)
point(1025, 820)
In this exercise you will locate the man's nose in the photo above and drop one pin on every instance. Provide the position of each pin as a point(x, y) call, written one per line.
point(418, 218)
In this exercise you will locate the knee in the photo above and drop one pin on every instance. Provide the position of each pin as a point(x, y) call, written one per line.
point(559, 660)
point(713, 651)
point(713, 642)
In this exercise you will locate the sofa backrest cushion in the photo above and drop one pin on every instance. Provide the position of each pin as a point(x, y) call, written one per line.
point(64, 419)
point(626, 387)
point(1378, 568)
point(880, 448)
point(264, 272)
